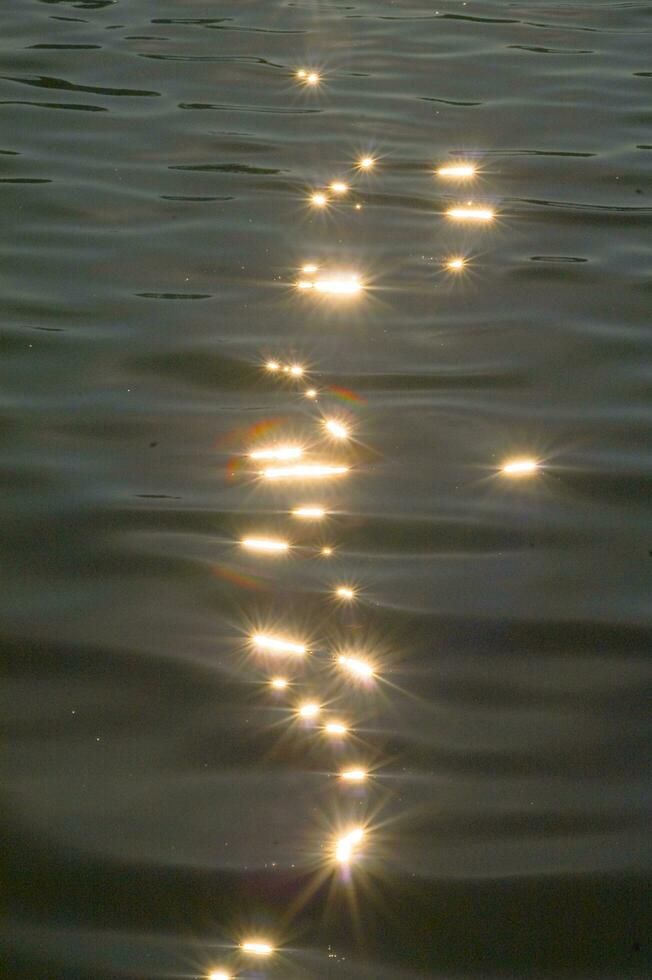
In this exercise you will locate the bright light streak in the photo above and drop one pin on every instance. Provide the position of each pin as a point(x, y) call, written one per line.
point(457, 170)
point(265, 544)
point(310, 267)
point(276, 644)
point(327, 551)
point(311, 393)
point(279, 683)
point(319, 200)
point(366, 163)
point(308, 710)
point(313, 78)
point(303, 471)
point(273, 366)
point(296, 370)
point(277, 452)
point(218, 975)
point(520, 467)
point(305, 284)
point(336, 428)
point(335, 728)
point(468, 213)
point(360, 668)
point(339, 187)
point(344, 592)
point(353, 775)
point(455, 265)
point(345, 846)
point(302, 73)
point(309, 513)
point(342, 285)
point(257, 948)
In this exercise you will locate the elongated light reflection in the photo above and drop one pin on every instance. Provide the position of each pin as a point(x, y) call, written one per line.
point(276, 644)
point(468, 213)
point(277, 452)
point(310, 393)
point(366, 163)
point(335, 728)
point(356, 666)
point(353, 775)
point(257, 948)
point(455, 265)
point(265, 544)
point(218, 975)
point(337, 429)
point(344, 285)
point(345, 846)
point(309, 710)
point(303, 471)
point(457, 170)
point(345, 592)
point(339, 187)
point(279, 683)
point(309, 513)
point(273, 366)
point(318, 199)
point(520, 467)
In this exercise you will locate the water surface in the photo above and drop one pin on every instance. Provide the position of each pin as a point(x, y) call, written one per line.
point(156, 159)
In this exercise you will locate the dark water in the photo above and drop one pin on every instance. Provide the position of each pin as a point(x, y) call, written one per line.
point(163, 804)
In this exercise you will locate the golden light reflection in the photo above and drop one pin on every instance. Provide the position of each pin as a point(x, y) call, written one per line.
point(311, 393)
point(456, 265)
point(304, 471)
point(353, 775)
point(257, 948)
point(520, 467)
point(309, 267)
point(318, 199)
point(470, 213)
point(345, 846)
point(271, 545)
point(279, 683)
point(457, 170)
point(309, 512)
point(218, 975)
point(307, 77)
point(339, 187)
point(344, 592)
point(277, 644)
point(273, 366)
point(337, 429)
point(326, 551)
point(296, 370)
point(356, 666)
point(366, 163)
point(339, 285)
point(277, 452)
point(308, 710)
point(335, 728)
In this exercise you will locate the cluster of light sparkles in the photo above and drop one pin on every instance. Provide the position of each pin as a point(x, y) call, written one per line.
point(338, 284)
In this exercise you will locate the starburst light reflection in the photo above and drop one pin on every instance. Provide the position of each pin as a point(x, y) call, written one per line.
point(277, 644)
